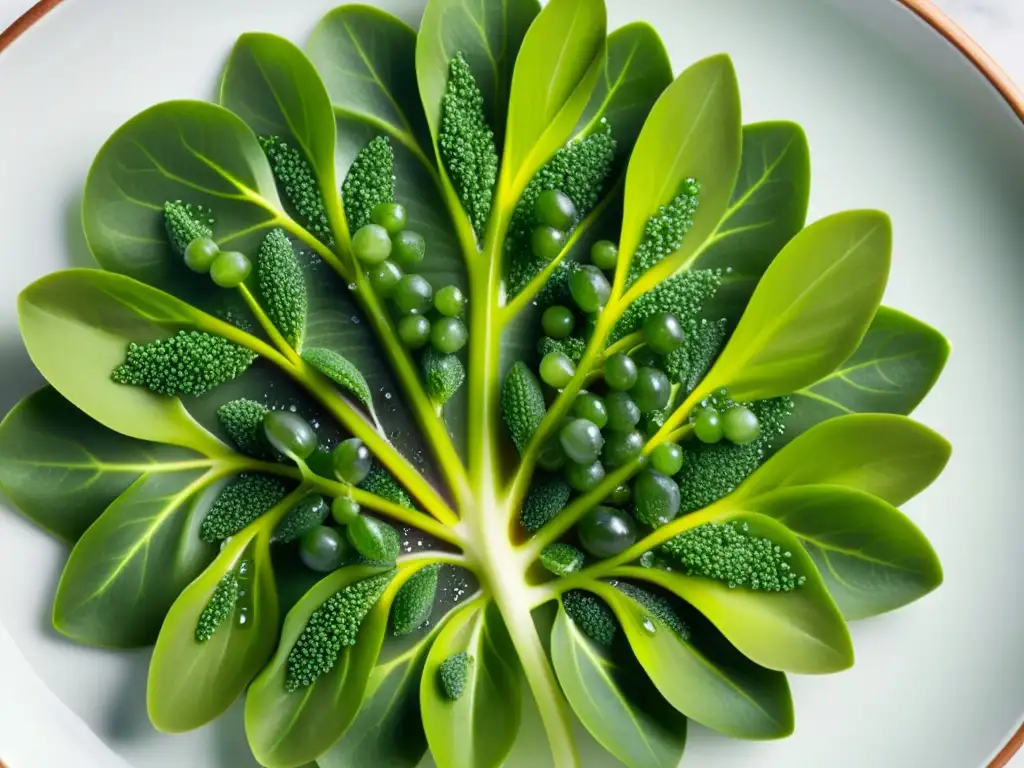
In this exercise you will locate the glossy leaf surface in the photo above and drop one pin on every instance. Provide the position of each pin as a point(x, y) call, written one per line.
point(888, 456)
point(615, 701)
point(705, 678)
point(810, 310)
point(479, 729)
point(871, 557)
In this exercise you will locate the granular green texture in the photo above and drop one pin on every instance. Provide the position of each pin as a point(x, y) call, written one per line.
point(282, 287)
point(522, 404)
point(380, 482)
point(572, 347)
point(242, 419)
point(683, 295)
point(247, 498)
point(341, 371)
point(665, 230)
point(592, 615)
point(188, 363)
point(186, 222)
point(222, 602)
point(658, 606)
point(542, 504)
point(561, 559)
point(453, 675)
point(369, 182)
point(443, 374)
point(295, 175)
point(415, 600)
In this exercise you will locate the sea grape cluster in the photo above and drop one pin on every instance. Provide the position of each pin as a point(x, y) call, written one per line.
point(187, 363)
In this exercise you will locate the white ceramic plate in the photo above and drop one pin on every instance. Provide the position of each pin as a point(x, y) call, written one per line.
point(897, 119)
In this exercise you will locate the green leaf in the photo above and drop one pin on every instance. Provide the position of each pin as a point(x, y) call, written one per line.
point(341, 371)
point(871, 557)
point(693, 131)
point(895, 366)
point(77, 325)
point(367, 59)
point(388, 730)
point(479, 729)
point(555, 73)
point(287, 729)
point(615, 701)
point(635, 72)
point(810, 310)
point(178, 150)
point(192, 683)
point(489, 35)
point(800, 631)
point(768, 208)
point(891, 457)
point(276, 90)
point(62, 469)
point(703, 676)
point(132, 563)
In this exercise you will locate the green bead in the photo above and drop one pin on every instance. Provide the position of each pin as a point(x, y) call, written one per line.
point(581, 440)
point(551, 457)
point(620, 372)
point(592, 408)
point(344, 510)
point(556, 369)
point(620, 496)
point(289, 434)
point(652, 390)
point(555, 209)
point(371, 244)
point(323, 549)
point(667, 458)
point(414, 331)
point(450, 301)
point(374, 539)
point(623, 413)
point(740, 425)
point(230, 268)
point(391, 216)
point(606, 532)
point(558, 322)
point(384, 277)
point(621, 448)
point(408, 249)
point(352, 461)
point(546, 243)
point(645, 357)
point(413, 295)
point(589, 288)
point(584, 477)
point(707, 426)
point(663, 333)
point(321, 463)
point(448, 335)
point(200, 253)
point(656, 498)
point(604, 255)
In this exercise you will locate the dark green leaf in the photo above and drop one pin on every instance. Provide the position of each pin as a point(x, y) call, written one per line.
point(192, 682)
point(871, 556)
point(810, 310)
point(703, 676)
point(132, 563)
point(478, 729)
point(888, 456)
point(799, 631)
point(62, 469)
point(895, 366)
point(615, 700)
point(768, 208)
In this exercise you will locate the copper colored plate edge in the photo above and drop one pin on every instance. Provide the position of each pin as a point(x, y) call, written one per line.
point(924, 9)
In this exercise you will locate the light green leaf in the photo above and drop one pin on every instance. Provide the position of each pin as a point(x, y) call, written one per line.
point(615, 701)
point(810, 310)
point(768, 208)
point(276, 90)
point(704, 677)
point(77, 325)
point(895, 366)
point(388, 730)
point(871, 557)
point(693, 131)
point(479, 729)
point(367, 59)
point(891, 457)
point(488, 35)
point(800, 631)
point(288, 729)
point(555, 73)
point(62, 469)
point(191, 151)
point(192, 683)
point(132, 563)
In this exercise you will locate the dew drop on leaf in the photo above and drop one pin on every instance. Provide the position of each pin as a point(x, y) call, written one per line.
point(648, 624)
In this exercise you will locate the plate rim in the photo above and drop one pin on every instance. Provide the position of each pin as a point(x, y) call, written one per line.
point(926, 10)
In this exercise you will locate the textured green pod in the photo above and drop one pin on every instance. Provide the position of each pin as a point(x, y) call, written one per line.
point(282, 287)
point(415, 600)
point(522, 404)
point(369, 182)
point(341, 371)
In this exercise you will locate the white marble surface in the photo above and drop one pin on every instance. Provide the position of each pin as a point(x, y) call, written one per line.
point(997, 24)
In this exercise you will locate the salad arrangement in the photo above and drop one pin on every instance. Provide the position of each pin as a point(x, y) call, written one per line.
point(428, 371)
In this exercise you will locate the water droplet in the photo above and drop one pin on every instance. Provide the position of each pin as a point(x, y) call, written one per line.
point(242, 616)
point(351, 286)
point(648, 624)
point(354, 319)
point(387, 395)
